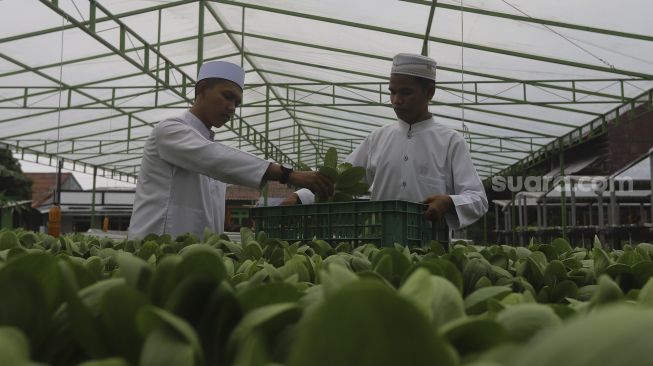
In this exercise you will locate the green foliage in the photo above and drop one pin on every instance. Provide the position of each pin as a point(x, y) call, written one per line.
point(80, 300)
point(14, 185)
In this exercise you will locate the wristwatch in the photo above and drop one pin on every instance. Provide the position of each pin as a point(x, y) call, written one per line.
point(285, 173)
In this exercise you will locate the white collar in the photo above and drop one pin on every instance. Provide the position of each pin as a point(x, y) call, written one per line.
point(417, 126)
point(198, 125)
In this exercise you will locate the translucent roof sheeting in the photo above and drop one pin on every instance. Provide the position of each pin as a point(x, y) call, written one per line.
point(87, 80)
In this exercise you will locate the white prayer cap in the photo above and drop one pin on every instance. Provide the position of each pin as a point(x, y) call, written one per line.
point(222, 70)
point(415, 65)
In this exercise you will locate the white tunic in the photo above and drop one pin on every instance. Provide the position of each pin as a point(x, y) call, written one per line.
point(182, 182)
point(411, 163)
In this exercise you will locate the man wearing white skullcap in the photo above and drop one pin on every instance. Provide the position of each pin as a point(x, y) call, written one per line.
point(418, 159)
point(182, 182)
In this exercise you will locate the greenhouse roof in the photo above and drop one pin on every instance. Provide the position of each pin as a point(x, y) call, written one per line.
point(87, 80)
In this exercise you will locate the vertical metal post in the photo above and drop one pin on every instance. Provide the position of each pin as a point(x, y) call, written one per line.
point(563, 196)
point(544, 223)
point(25, 96)
point(496, 217)
point(512, 216)
point(507, 226)
point(240, 129)
point(129, 131)
point(614, 206)
point(93, 198)
point(650, 157)
point(600, 207)
point(200, 35)
point(91, 19)
point(506, 218)
point(298, 142)
point(267, 120)
point(519, 211)
point(242, 38)
point(58, 195)
point(573, 203)
point(267, 138)
point(158, 48)
point(123, 32)
point(525, 210)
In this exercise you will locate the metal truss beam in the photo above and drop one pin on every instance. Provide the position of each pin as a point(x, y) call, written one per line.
point(537, 83)
point(170, 67)
point(471, 121)
point(529, 19)
point(74, 165)
point(442, 40)
point(111, 100)
point(241, 47)
point(503, 114)
point(97, 20)
point(384, 77)
point(28, 92)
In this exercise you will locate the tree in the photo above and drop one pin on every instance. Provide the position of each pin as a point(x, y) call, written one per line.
point(14, 185)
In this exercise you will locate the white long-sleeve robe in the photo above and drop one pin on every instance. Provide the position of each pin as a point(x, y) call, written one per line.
point(182, 182)
point(411, 163)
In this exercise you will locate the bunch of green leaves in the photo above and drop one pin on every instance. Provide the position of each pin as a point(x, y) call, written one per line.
point(346, 178)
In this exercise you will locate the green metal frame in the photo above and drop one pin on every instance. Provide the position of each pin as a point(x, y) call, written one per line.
point(313, 113)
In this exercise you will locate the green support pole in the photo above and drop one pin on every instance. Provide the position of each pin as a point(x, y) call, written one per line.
point(267, 135)
point(242, 38)
point(425, 43)
point(129, 131)
point(200, 37)
point(158, 59)
point(563, 198)
point(295, 141)
point(92, 16)
point(512, 218)
point(93, 198)
point(267, 120)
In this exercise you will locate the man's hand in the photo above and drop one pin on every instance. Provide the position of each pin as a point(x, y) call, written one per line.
point(317, 183)
point(438, 206)
point(293, 199)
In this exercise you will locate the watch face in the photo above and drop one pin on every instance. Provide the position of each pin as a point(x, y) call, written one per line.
point(287, 166)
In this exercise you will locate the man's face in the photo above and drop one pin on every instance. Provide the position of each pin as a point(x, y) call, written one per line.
point(409, 100)
point(219, 101)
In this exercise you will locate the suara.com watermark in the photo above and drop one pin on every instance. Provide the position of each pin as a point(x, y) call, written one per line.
point(590, 184)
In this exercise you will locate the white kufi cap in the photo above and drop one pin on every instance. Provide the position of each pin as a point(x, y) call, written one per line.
point(415, 65)
point(222, 70)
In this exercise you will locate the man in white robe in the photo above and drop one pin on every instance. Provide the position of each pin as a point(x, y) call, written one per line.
point(184, 173)
point(418, 159)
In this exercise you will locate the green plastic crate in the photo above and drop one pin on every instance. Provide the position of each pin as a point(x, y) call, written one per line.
point(360, 222)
